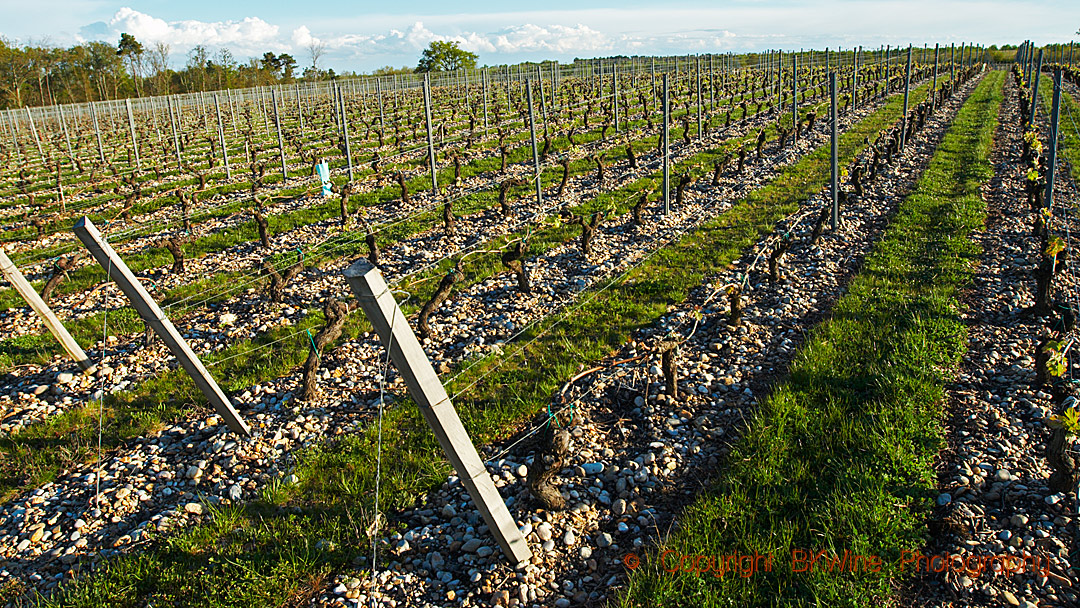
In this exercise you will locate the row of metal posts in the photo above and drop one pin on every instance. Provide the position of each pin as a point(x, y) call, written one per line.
point(511, 544)
point(255, 95)
point(199, 99)
point(343, 122)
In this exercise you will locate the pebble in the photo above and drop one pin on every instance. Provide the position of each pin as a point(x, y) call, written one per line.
point(612, 482)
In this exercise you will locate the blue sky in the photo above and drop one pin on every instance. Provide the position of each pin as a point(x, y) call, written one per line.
point(363, 35)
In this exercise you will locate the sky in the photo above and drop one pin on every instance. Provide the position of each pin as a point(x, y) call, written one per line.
point(363, 36)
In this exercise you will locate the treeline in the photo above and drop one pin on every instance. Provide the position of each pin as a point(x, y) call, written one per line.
point(39, 74)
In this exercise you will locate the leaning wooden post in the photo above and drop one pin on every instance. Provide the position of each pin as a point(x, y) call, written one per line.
point(17, 280)
point(427, 391)
point(156, 319)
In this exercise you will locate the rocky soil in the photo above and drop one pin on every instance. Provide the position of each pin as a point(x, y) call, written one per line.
point(995, 499)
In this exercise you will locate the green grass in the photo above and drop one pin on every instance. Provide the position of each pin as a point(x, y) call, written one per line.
point(31, 459)
point(839, 457)
point(215, 287)
point(256, 550)
point(151, 257)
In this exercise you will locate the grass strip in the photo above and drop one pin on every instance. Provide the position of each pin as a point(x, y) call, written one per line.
point(36, 452)
point(282, 552)
point(217, 287)
point(839, 458)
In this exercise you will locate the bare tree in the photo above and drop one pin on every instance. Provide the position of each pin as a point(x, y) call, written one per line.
point(159, 63)
point(316, 48)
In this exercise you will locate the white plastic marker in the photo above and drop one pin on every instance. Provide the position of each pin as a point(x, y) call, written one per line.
point(323, 170)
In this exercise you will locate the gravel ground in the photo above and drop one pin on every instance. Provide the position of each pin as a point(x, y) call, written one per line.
point(248, 256)
point(156, 482)
point(637, 456)
point(37, 396)
point(993, 479)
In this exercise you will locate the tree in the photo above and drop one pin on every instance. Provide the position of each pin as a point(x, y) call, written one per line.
point(131, 49)
point(286, 64)
point(15, 71)
point(270, 62)
point(316, 48)
point(198, 57)
point(159, 63)
point(444, 55)
point(389, 70)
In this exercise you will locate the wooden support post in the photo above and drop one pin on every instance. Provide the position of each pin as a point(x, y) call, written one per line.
point(21, 285)
point(156, 319)
point(834, 183)
point(427, 391)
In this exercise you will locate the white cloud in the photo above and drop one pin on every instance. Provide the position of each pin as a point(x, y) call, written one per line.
point(529, 38)
point(250, 34)
point(524, 38)
point(301, 37)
